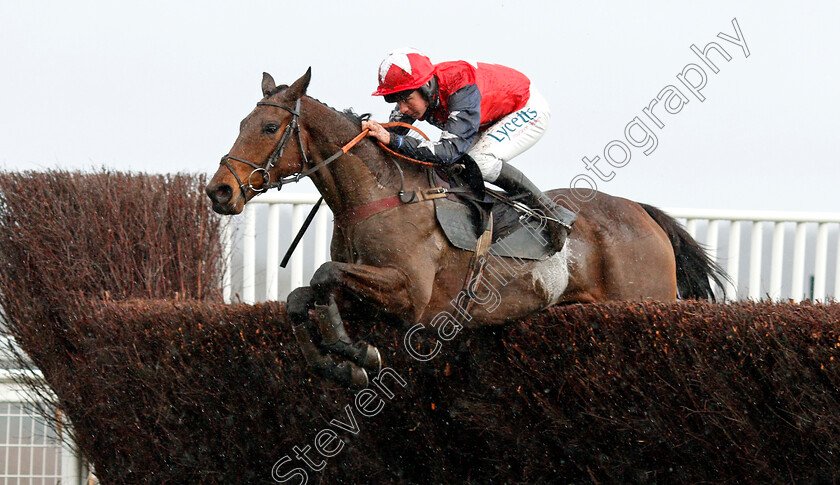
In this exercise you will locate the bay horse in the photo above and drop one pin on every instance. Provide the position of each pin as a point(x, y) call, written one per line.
point(394, 263)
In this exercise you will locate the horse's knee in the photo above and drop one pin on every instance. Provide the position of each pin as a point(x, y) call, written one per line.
point(299, 302)
point(326, 275)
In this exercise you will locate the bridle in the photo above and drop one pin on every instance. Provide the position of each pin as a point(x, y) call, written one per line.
point(293, 129)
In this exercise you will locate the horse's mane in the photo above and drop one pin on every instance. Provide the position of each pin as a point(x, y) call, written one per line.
point(386, 176)
point(348, 113)
point(352, 116)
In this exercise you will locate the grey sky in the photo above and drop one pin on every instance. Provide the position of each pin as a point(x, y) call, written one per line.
point(161, 86)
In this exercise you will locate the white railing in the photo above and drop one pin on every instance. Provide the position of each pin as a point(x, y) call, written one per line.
point(30, 450)
point(272, 271)
point(786, 267)
point(780, 258)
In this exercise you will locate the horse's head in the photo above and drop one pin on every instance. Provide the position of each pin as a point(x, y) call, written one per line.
point(270, 146)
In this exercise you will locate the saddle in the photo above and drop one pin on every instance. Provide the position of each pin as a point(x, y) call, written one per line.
point(469, 209)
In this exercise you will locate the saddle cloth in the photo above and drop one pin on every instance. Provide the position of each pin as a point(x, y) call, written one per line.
point(514, 234)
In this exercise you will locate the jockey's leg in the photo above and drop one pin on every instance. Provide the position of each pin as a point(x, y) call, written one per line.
point(559, 218)
point(510, 136)
point(507, 138)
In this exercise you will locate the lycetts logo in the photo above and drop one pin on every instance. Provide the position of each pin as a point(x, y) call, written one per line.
point(522, 118)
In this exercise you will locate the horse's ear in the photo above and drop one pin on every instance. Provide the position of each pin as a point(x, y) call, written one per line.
point(268, 84)
point(298, 88)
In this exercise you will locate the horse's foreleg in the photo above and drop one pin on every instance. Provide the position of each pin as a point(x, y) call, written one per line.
point(386, 289)
point(335, 339)
point(299, 304)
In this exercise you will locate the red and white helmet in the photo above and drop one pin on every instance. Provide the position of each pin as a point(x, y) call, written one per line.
point(403, 69)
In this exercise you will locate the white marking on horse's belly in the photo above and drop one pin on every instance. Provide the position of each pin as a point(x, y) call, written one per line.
point(552, 275)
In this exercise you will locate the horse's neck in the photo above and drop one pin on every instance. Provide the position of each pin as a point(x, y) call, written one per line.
point(363, 175)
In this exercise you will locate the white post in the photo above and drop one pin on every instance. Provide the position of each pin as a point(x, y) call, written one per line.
point(712, 239)
point(71, 467)
point(797, 293)
point(296, 280)
point(755, 260)
point(272, 249)
point(734, 259)
point(821, 262)
point(227, 258)
point(321, 242)
point(249, 254)
point(691, 227)
point(777, 261)
point(837, 269)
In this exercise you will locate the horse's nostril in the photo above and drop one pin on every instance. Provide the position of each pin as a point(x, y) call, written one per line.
point(220, 194)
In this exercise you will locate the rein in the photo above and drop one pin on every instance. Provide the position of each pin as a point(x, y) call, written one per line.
point(293, 128)
point(400, 155)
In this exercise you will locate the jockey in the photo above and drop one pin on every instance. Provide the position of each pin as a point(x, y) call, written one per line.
point(487, 112)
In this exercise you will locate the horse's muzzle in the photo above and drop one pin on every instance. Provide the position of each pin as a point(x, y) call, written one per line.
point(221, 196)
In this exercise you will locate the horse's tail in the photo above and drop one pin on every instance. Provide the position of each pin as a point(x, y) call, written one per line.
point(695, 268)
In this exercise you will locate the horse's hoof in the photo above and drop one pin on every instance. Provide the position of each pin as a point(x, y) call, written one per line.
point(372, 360)
point(351, 375)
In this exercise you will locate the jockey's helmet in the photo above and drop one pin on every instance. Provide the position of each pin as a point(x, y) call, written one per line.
point(403, 69)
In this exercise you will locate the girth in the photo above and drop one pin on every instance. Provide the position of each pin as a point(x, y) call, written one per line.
point(352, 217)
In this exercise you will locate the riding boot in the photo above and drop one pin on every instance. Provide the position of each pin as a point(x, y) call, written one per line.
point(558, 218)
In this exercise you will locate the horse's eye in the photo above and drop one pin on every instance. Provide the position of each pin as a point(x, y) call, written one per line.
point(270, 129)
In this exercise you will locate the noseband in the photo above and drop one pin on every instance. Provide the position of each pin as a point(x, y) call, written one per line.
point(293, 128)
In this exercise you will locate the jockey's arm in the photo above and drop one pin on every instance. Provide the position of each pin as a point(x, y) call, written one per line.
point(397, 116)
point(459, 131)
point(384, 135)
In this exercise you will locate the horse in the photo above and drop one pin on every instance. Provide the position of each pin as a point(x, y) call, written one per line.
point(391, 261)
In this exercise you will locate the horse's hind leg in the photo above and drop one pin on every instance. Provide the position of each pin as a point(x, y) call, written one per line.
point(299, 304)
